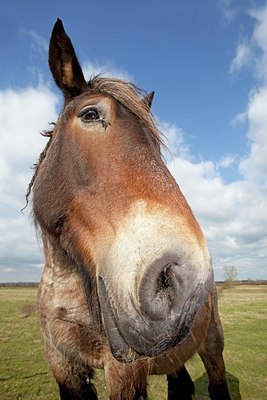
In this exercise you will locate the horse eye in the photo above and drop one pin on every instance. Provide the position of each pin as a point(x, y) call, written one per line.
point(89, 114)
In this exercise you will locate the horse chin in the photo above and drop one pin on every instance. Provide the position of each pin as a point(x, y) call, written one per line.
point(125, 343)
point(124, 357)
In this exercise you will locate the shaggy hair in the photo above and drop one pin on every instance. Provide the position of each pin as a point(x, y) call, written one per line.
point(130, 96)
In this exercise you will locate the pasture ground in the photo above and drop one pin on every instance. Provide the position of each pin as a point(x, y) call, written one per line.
point(24, 374)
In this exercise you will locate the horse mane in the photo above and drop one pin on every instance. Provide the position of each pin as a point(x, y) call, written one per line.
point(124, 92)
point(36, 166)
point(130, 96)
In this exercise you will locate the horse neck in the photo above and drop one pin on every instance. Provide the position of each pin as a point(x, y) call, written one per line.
point(64, 286)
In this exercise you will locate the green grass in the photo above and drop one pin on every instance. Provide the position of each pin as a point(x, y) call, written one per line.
point(24, 374)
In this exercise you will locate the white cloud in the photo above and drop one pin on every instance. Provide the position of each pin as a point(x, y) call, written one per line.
point(209, 197)
point(239, 119)
point(23, 115)
point(175, 141)
point(229, 10)
point(232, 216)
point(254, 165)
point(242, 58)
point(252, 51)
point(38, 42)
point(226, 161)
point(18, 230)
point(91, 69)
point(259, 41)
point(8, 270)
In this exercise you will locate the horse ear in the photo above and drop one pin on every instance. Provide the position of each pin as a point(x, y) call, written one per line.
point(147, 100)
point(63, 62)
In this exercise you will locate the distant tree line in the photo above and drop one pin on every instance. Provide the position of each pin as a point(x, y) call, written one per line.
point(230, 281)
point(19, 284)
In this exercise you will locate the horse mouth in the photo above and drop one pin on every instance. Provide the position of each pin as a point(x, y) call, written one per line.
point(119, 347)
point(127, 343)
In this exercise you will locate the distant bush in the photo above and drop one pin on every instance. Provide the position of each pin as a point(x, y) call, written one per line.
point(228, 284)
point(230, 274)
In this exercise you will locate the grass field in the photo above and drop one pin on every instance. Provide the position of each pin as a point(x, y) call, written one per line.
point(24, 373)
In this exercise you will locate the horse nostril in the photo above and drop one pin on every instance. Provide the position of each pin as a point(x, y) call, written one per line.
point(161, 290)
point(164, 279)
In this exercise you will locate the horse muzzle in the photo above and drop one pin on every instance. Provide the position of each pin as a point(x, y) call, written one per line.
point(160, 316)
point(152, 280)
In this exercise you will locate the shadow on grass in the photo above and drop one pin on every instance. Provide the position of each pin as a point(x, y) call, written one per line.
point(201, 386)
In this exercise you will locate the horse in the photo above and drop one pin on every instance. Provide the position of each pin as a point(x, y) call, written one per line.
point(128, 284)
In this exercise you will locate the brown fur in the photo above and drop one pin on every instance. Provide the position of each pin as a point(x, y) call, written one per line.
point(92, 181)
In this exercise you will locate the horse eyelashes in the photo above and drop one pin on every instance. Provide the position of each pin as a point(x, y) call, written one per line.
point(90, 115)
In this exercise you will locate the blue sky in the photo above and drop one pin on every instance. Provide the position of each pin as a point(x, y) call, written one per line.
point(182, 50)
point(206, 61)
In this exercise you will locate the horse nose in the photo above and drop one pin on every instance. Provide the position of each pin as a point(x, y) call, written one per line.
point(159, 312)
point(164, 289)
